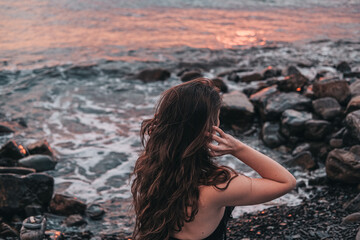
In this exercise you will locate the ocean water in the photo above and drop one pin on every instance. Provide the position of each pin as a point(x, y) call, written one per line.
point(68, 67)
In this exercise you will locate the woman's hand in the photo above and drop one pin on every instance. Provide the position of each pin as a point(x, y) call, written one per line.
point(227, 144)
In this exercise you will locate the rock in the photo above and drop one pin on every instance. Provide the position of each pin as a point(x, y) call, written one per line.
point(270, 72)
point(328, 108)
point(19, 191)
point(237, 110)
point(251, 77)
point(34, 210)
point(304, 160)
point(357, 237)
point(12, 150)
point(95, 211)
point(75, 220)
point(38, 162)
point(271, 136)
point(7, 232)
point(82, 72)
point(293, 122)
point(352, 218)
point(250, 89)
point(354, 104)
point(353, 205)
point(343, 166)
point(152, 75)
point(17, 170)
point(40, 147)
point(278, 103)
point(333, 87)
point(336, 143)
point(219, 83)
point(66, 205)
point(33, 228)
point(352, 75)
point(355, 88)
point(316, 129)
point(355, 149)
point(293, 83)
point(260, 98)
point(301, 148)
point(233, 77)
point(343, 67)
point(187, 76)
point(353, 124)
point(290, 71)
point(5, 129)
point(54, 235)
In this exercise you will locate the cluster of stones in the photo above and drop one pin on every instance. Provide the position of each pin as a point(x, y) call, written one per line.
point(27, 193)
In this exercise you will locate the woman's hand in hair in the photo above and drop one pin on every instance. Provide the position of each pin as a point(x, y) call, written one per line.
point(227, 144)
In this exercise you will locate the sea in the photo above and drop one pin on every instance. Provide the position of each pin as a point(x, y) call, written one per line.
point(68, 68)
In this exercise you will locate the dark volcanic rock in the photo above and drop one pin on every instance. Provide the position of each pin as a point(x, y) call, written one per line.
point(316, 129)
point(95, 211)
point(152, 75)
point(344, 166)
point(19, 191)
point(293, 122)
point(355, 88)
point(40, 147)
point(38, 162)
point(251, 77)
point(219, 83)
point(354, 104)
point(260, 98)
point(328, 108)
point(336, 88)
point(290, 71)
point(12, 150)
point(301, 148)
point(343, 67)
point(271, 136)
point(304, 160)
point(75, 220)
point(187, 76)
point(270, 72)
point(278, 103)
point(353, 124)
point(233, 77)
point(4, 129)
point(66, 205)
point(292, 83)
point(352, 75)
point(17, 170)
point(237, 110)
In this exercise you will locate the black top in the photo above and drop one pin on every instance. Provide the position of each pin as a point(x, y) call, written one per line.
point(220, 231)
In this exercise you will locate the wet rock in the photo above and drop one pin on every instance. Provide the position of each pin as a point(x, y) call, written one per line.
point(82, 72)
point(301, 148)
point(19, 191)
point(354, 104)
point(95, 211)
point(152, 75)
point(343, 166)
point(33, 228)
point(75, 220)
point(292, 83)
point(4, 129)
point(293, 122)
point(66, 205)
point(352, 218)
point(17, 170)
point(290, 71)
point(251, 77)
point(40, 147)
point(278, 103)
point(336, 143)
point(353, 205)
point(219, 83)
point(355, 149)
point(270, 72)
point(38, 162)
point(271, 136)
point(352, 75)
point(188, 76)
point(12, 150)
point(7, 232)
point(260, 98)
point(34, 210)
point(333, 87)
point(343, 67)
point(237, 110)
point(304, 160)
point(353, 124)
point(316, 129)
point(233, 77)
point(328, 108)
point(355, 88)
point(253, 88)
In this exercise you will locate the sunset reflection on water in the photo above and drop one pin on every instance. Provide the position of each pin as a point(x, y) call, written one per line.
point(49, 32)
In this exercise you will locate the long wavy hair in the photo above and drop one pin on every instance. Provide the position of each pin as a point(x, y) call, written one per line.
point(176, 160)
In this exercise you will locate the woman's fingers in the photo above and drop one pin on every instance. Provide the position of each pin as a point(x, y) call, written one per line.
point(216, 138)
point(221, 132)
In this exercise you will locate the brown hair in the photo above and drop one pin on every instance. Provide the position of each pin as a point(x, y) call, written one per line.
point(176, 160)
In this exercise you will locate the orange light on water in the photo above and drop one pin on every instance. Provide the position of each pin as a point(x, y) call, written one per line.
point(298, 89)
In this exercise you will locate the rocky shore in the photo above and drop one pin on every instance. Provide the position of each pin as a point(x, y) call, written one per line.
point(308, 111)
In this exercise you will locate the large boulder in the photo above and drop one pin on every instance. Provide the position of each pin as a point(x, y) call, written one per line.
point(333, 87)
point(237, 110)
point(271, 136)
point(18, 191)
point(328, 108)
point(40, 147)
point(343, 166)
point(152, 75)
point(291, 83)
point(278, 103)
point(293, 122)
point(353, 124)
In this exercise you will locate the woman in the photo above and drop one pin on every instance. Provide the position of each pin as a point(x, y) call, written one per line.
point(179, 192)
